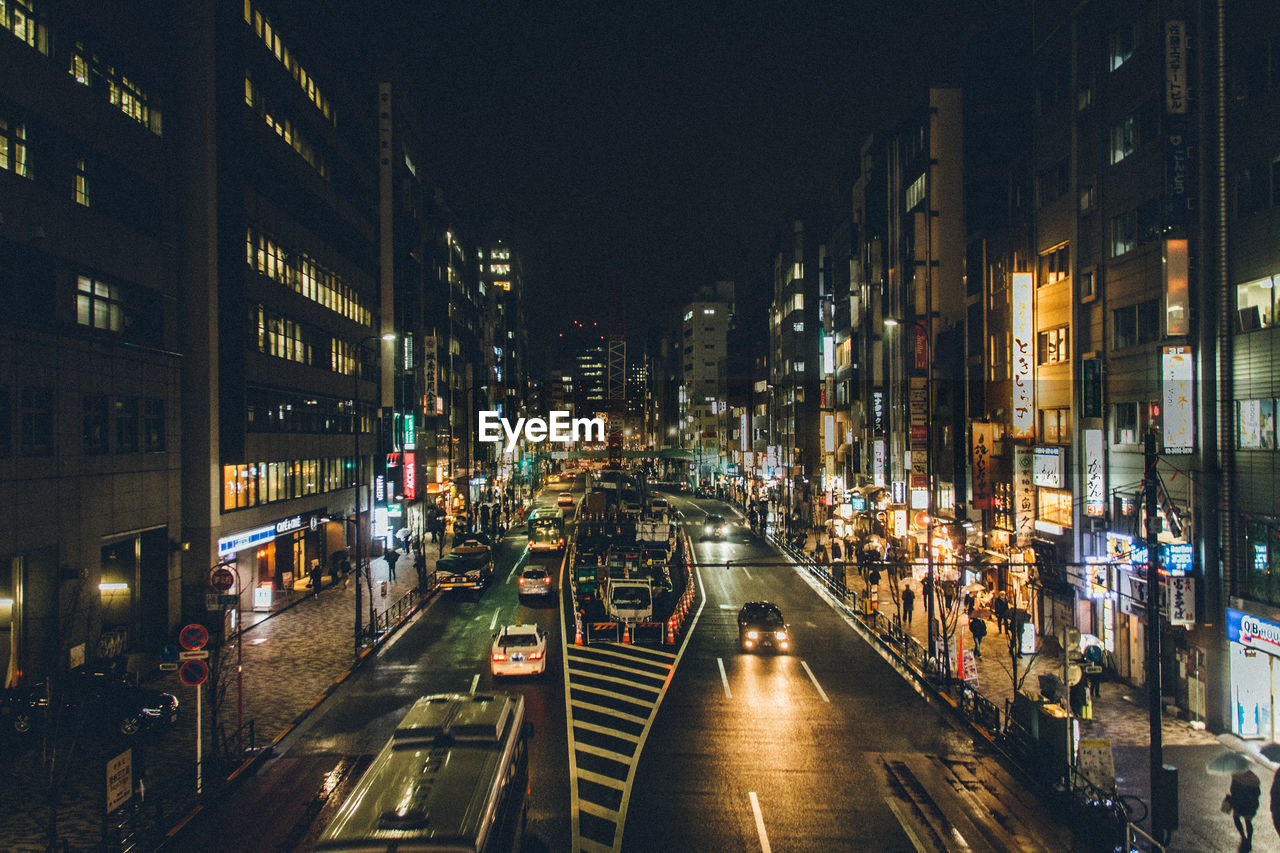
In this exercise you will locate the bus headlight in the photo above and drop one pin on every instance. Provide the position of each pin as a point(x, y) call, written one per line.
point(751, 635)
point(781, 635)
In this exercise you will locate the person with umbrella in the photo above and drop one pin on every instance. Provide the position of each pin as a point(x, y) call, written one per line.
point(1243, 795)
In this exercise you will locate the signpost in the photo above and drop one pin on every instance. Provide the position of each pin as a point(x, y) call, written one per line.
point(119, 780)
point(193, 673)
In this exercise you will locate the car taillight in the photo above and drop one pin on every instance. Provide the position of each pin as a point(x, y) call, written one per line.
point(499, 656)
point(535, 656)
point(522, 580)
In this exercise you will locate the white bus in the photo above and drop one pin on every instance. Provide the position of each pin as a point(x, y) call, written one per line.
point(452, 778)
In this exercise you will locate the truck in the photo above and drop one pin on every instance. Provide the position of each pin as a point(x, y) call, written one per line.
point(629, 600)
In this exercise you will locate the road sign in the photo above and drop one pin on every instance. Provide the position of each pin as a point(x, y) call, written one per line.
point(198, 654)
point(169, 667)
point(193, 673)
point(222, 579)
point(220, 600)
point(119, 780)
point(193, 636)
point(168, 653)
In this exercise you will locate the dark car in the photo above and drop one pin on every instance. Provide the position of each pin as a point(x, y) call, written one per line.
point(715, 527)
point(760, 625)
point(99, 696)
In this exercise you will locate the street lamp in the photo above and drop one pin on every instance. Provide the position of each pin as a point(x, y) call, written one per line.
point(355, 433)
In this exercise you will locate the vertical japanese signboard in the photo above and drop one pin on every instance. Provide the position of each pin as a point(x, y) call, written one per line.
point(410, 475)
point(980, 453)
point(1024, 493)
point(1023, 357)
point(1175, 67)
point(1179, 419)
point(429, 374)
point(1182, 601)
point(877, 461)
point(1095, 488)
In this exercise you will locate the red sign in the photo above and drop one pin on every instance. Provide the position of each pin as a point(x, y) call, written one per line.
point(222, 579)
point(410, 475)
point(193, 636)
point(193, 673)
point(922, 349)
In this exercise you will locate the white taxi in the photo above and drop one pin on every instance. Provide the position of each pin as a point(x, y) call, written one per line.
point(519, 650)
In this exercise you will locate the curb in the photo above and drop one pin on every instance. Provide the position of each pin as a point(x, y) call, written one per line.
point(268, 750)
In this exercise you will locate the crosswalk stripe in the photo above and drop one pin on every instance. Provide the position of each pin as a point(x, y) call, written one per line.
point(639, 652)
point(599, 811)
point(618, 733)
point(602, 752)
point(590, 666)
point(601, 779)
point(601, 709)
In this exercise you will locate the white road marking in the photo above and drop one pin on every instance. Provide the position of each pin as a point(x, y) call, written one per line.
point(764, 836)
point(475, 682)
point(493, 622)
point(821, 692)
point(727, 607)
point(747, 573)
point(724, 679)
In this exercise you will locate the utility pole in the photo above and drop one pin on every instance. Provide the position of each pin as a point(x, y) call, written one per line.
point(1164, 779)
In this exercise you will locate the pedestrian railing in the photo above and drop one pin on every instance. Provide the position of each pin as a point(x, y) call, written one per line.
point(399, 608)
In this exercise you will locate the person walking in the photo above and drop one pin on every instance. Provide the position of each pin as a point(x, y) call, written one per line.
point(978, 628)
point(1242, 801)
point(315, 578)
point(440, 536)
point(908, 603)
point(392, 557)
point(999, 609)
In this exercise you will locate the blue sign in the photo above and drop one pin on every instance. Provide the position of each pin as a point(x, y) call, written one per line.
point(241, 541)
point(1253, 631)
point(1178, 558)
point(859, 504)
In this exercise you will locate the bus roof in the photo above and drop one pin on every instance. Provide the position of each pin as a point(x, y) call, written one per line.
point(547, 512)
point(434, 785)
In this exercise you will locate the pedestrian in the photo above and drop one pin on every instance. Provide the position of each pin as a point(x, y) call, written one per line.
point(1242, 801)
point(1000, 609)
point(315, 578)
point(908, 603)
point(978, 628)
point(345, 568)
point(420, 566)
point(968, 603)
point(392, 557)
point(439, 537)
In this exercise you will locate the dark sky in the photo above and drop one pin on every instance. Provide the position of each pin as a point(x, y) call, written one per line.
point(654, 147)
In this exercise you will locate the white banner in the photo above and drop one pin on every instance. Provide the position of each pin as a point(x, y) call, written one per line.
point(1095, 488)
point(1179, 418)
point(1181, 608)
point(1023, 356)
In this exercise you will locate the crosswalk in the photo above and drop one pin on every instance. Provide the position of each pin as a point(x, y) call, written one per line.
point(613, 695)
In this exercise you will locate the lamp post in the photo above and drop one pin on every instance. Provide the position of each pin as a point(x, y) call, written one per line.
point(355, 434)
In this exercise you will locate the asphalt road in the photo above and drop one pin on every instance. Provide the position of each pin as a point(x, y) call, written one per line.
point(291, 797)
point(824, 748)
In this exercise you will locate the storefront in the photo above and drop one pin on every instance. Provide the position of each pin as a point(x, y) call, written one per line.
point(1255, 674)
point(272, 559)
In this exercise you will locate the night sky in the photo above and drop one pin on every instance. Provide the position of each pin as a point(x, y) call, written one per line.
point(654, 147)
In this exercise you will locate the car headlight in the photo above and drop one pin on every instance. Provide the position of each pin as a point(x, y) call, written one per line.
point(751, 635)
point(780, 635)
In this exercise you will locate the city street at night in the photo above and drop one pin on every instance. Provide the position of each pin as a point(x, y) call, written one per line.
point(838, 426)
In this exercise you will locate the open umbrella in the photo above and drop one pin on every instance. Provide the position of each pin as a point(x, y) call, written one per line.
point(1271, 752)
point(1227, 763)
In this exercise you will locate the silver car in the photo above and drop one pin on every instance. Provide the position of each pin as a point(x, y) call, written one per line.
point(535, 581)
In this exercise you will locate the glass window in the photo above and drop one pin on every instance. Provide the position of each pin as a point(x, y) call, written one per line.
point(1257, 424)
point(153, 425)
point(17, 17)
point(36, 421)
point(1053, 346)
point(1124, 233)
point(99, 305)
point(1124, 138)
point(1124, 423)
point(126, 410)
point(95, 424)
point(81, 195)
point(1055, 264)
point(1055, 426)
point(1255, 304)
point(1120, 46)
point(13, 147)
point(1054, 506)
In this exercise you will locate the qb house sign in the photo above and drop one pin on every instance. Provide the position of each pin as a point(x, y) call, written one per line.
point(559, 428)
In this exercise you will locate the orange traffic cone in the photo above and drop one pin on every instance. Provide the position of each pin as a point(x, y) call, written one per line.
point(671, 631)
point(577, 636)
point(626, 633)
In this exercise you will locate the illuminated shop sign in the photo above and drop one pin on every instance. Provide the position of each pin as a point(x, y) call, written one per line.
point(241, 541)
point(1179, 419)
point(1095, 489)
point(1253, 631)
point(1048, 467)
point(1023, 357)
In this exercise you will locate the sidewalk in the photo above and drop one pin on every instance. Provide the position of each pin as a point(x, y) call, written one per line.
point(292, 658)
point(1120, 715)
